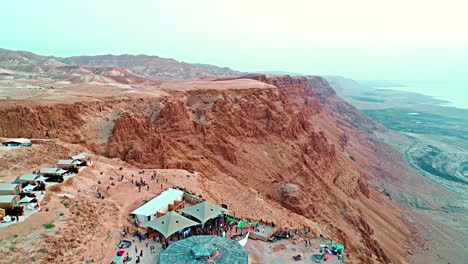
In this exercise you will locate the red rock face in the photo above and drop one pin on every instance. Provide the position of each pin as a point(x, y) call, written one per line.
point(288, 143)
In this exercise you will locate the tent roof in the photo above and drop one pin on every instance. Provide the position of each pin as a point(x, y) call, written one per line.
point(29, 187)
point(338, 245)
point(204, 211)
point(42, 178)
point(52, 171)
point(67, 162)
point(7, 186)
point(182, 251)
point(7, 198)
point(81, 155)
point(152, 206)
point(203, 250)
point(28, 177)
point(18, 140)
point(170, 223)
point(26, 199)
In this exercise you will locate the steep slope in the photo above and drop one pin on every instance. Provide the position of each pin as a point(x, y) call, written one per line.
point(268, 133)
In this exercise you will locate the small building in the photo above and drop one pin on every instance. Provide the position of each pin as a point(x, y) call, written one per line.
point(158, 205)
point(68, 164)
point(33, 179)
point(53, 174)
point(17, 142)
point(28, 178)
point(10, 189)
point(9, 201)
point(83, 159)
point(52, 171)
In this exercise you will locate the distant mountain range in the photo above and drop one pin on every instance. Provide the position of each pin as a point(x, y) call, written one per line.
point(23, 62)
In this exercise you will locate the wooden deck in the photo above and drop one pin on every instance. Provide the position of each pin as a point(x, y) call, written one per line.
point(264, 232)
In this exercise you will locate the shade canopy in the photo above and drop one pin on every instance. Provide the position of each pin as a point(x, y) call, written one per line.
point(195, 249)
point(29, 188)
point(68, 162)
point(204, 211)
point(41, 178)
point(28, 177)
point(203, 250)
point(170, 223)
point(7, 198)
point(80, 156)
point(26, 199)
point(336, 244)
point(53, 171)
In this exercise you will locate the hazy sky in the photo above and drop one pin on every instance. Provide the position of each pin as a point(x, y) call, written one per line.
point(402, 40)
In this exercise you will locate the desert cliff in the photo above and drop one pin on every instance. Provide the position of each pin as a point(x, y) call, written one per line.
point(278, 135)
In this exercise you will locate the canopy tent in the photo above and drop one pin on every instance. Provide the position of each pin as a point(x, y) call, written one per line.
point(196, 249)
point(41, 178)
point(204, 211)
point(170, 223)
point(336, 244)
point(26, 199)
point(243, 241)
point(204, 250)
point(27, 177)
point(80, 156)
point(241, 224)
point(52, 171)
point(29, 188)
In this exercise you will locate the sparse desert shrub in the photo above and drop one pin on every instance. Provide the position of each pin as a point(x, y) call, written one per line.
point(48, 225)
point(65, 203)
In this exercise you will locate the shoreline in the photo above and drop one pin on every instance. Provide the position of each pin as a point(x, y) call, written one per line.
point(459, 103)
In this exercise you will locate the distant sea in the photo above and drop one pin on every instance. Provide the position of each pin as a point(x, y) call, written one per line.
point(456, 96)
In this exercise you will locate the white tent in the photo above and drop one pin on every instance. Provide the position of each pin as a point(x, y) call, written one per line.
point(41, 178)
point(243, 241)
point(29, 188)
point(26, 199)
point(170, 223)
point(204, 211)
point(160, 203)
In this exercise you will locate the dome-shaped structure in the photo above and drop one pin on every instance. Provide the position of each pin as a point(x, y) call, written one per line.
point(204, 249)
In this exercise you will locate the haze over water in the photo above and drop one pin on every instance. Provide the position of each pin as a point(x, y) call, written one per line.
point(455, 94)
